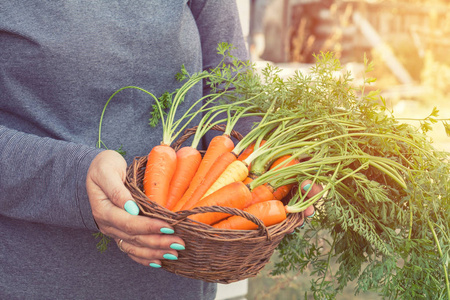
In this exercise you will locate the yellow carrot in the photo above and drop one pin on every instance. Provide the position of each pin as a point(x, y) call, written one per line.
point(236, 171)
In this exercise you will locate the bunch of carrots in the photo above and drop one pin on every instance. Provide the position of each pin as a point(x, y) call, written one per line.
point(249, 176)
point(223, 176)
point(184, 180)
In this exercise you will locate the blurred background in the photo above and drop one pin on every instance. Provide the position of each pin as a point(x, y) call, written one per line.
point(407, 40)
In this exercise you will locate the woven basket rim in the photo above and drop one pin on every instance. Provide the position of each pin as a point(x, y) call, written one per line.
point(181, 217)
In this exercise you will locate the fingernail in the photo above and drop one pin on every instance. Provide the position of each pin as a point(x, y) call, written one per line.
point(167, 230)
point(176, 246)
point(131, 207)
point(311, 215)
point(307, 187)
point(170, 256)
point(154, 265)
point(303, 225)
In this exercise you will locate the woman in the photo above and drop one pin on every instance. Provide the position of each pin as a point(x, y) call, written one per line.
point(60, 61)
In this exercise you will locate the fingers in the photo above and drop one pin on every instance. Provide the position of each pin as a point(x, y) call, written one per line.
point(147, 245)
point(145, 240)
point(117, 219)
point(148, 253)
point(106, 178)
point(311, 190)
point(150, 250)
point(154, 241)
point(309, 212)
point(152, 262)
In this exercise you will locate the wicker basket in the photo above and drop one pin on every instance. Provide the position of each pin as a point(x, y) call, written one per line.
point(212, 255)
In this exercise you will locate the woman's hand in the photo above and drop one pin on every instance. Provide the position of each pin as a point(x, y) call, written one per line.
point(310, 189)
point(145, 240)
point(307, 187)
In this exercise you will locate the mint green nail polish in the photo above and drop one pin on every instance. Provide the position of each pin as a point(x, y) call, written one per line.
point(153, 265)
point(312, 215)
point(307, 187)
point(167, 230)
point(170, 256)
point(131, 207)
point(176, 246)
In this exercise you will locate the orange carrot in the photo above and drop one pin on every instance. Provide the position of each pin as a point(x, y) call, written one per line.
point(269, 212)
point(247, 180)
point(161, 164)
point(266, 192)
point(282, 161)
point(214, 172)
point(234, 195)
point(188, 160)
point(282, 191)
point(218, 145)
point(249, 150)
point(260, 193)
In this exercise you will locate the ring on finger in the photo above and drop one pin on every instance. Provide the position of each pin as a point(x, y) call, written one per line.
point(119, 244)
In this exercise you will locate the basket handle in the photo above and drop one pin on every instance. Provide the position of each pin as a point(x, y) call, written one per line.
point(182, 215)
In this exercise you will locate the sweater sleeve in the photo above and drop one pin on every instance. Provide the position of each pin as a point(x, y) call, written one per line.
point(43, 180)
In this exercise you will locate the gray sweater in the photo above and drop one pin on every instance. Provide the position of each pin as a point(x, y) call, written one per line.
point(59, 63)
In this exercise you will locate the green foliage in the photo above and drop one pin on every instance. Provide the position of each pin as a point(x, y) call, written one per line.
point(104, 240)
point(182, 75)
point(386, 215)
point(165, 102)
point(121, 151)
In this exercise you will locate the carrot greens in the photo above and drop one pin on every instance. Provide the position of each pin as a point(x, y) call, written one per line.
point(383, 216)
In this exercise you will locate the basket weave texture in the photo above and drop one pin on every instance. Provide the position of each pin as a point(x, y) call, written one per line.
point(212, 255)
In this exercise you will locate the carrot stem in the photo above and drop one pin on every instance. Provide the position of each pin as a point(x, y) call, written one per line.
point(99, 141)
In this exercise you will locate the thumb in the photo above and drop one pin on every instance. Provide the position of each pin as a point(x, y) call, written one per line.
point(105, 181)
point(310, 189)
point(118, 194)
